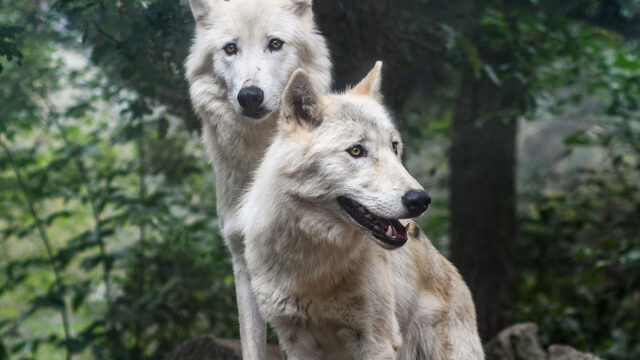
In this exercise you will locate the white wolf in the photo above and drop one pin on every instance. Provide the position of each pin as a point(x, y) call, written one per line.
point(332, 181)
point(244, 52)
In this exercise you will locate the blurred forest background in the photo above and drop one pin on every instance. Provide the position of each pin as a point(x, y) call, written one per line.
point(522, 118)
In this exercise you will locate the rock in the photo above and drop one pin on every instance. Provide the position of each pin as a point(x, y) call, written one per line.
point(273, 351)
point(208, 347)
point(517, 342)
point(563, 352)
point(202, 348)
point(521, 342)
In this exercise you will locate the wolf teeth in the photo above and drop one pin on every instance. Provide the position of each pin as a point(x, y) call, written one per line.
point(362, 209)
point(389, 231)
point(368, 216)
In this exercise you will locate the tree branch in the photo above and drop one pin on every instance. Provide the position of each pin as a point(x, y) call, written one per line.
point(105, 34)
point(47, 244)
point(91, 195)
point(142, 228)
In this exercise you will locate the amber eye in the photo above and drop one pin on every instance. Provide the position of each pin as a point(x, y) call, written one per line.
point(275, 44)
point(395, 147)
point(356, 151)
point(230, 49)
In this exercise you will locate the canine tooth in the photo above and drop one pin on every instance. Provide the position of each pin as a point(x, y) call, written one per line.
point(368, 216)
point(362, 209)
point(389, 231)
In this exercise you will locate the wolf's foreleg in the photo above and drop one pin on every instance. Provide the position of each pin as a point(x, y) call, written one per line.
point(296, 341)
point(253, 329)
point(364, 346)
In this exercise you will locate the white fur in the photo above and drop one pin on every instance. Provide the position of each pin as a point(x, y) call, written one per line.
point(326, 287)
point(235, 143)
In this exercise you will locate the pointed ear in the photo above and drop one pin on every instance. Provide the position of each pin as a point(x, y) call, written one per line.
point(370, 85)
point(301, 103)
point(200, 10)
point(300, 7)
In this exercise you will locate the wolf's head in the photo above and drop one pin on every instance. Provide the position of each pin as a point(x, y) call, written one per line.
point(342, 154)
point(252, 46)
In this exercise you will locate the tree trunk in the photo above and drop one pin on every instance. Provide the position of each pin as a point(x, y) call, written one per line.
point(483, 213)
point(354, 51)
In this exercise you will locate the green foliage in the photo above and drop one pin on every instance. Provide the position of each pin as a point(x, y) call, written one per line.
point(145, 270)
point(582, 263)
point(138, 45)
point(8, 48)
point(581, 247)
point(115, 197)
point(113, 225)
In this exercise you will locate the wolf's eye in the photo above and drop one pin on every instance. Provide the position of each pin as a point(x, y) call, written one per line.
point(395, 147)
point(230, 49)
point(357, 151)
point(275, 44)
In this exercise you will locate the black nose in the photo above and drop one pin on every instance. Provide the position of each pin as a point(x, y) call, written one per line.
point(416, 202)
point(250, 98)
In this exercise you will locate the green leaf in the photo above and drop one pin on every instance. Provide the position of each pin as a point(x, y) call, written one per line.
point(49, 300)
point(4, 353)
point(77, 346)
point(91, 262)
point(471, 56)
point(580, 138)
point(494, 18)
point(64, 214)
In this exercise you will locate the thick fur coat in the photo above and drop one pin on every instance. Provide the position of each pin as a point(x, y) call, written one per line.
point(235, 143)
point(320, 265)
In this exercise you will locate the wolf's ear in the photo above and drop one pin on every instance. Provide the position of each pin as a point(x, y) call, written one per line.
point(199, 9)
point(370, 85)
point(301, 102)
point(300, 7)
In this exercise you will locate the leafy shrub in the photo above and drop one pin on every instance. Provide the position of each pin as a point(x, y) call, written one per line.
point(580, 247)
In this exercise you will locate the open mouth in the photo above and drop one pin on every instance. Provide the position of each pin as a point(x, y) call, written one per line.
point(390, 233)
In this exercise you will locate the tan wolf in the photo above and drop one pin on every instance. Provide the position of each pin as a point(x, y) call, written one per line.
point(243, 53)
point(329, 188)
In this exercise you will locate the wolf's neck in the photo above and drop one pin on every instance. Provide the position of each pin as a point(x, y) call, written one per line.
point(235, 147)
point(303, 237)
